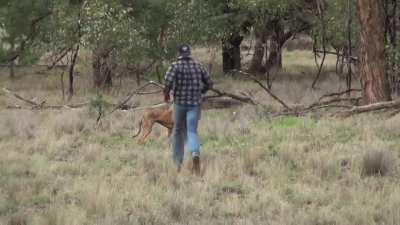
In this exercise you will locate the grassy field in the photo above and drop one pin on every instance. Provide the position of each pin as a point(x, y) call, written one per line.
point(58, 168)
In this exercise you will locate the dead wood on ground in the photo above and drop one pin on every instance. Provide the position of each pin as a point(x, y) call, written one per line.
point(39, 105)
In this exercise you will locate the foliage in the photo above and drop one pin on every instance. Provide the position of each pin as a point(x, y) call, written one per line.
point(98, 105)
point(140, 31)
point(19, 26)
point(337, 23)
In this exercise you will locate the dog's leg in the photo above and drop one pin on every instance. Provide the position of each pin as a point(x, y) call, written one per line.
point(147, 127)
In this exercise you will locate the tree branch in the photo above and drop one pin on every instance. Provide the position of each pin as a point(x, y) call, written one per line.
point(353, 58)
point(253, 78)
point(339, 93)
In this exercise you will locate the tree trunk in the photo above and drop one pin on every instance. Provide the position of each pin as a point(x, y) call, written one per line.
point(62, 85)
point(231, 57)
point(280, 39)
point(71, 72)
point(274, 61)
point(372, 56)
point(256, 65)
point(227, 64)
point(96, 65)
point(138, 78)
point(159, 75)
point(12, 62)
point(391, 41)
point(103, 67)
point(12, 69)
point(349, 44)
point(277, 40)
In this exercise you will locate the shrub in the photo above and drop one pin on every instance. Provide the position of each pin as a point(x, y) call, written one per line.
point(378, 163)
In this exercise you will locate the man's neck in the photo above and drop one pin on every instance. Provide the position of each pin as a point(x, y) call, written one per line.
point(184, 58)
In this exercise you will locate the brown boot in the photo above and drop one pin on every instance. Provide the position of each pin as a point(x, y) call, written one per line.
point(196, 165)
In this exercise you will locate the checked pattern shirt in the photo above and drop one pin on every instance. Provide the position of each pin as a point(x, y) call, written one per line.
point(188, 80)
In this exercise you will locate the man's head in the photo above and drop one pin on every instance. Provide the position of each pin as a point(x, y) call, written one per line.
point(184, 50)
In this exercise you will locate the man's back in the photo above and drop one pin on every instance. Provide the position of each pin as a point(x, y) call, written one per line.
point(188, 80)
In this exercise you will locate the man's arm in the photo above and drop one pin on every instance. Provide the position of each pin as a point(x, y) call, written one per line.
point(169, 82)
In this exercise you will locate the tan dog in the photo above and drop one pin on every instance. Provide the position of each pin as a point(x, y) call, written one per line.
point(160, 116)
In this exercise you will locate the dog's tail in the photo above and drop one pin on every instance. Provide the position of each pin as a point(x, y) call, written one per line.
point(140, 129)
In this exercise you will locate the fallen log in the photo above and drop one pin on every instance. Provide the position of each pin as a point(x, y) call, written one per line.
point(370, 108)
point(10, 93)
point(233, 96)
point(40, 105)
point(354, 101)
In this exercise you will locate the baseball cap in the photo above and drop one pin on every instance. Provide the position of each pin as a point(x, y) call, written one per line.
point(184, 50)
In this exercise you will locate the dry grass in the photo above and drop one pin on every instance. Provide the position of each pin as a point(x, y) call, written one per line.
point(58, 168)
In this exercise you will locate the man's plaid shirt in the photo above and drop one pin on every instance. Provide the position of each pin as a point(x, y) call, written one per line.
point(188, 80)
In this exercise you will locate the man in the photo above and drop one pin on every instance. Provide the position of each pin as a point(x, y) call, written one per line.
point(188, 80)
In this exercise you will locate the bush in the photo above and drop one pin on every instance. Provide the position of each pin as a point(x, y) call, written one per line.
point(381, 163)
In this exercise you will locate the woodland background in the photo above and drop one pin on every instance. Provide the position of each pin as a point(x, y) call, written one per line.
point(308, 132)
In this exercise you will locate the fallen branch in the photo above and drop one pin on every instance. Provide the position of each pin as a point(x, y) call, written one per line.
point(41, 105)
point(10, 93)
point(369, 108)
point(149, 92)
point(139, 91)
point(253, 78)
point(156, 106)
point(335, 100)
point(215, 102)
point(339, 93)
point(127, 99)
point(219, 93)
point(319, 107)
point(233, 96)
point(353, 58)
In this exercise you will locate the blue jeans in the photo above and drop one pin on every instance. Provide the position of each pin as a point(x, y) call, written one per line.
point(185, 128)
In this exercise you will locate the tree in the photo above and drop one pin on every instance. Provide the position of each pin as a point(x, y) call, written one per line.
point(392, 46)
point(105, 23)
point(62, 37)
point(275, 22)
point(129, 34)
point(20, 25)
point(372, 53)
point(229, 22)
point(233, 35)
